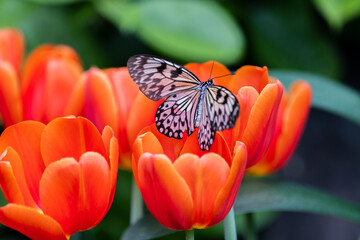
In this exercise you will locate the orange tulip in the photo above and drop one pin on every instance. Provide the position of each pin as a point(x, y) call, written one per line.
point(259, 99)
point(58, 178)
point(290, 123)
point(182, 186)
point(45, 87)
point(12, 46)
point(112, 98)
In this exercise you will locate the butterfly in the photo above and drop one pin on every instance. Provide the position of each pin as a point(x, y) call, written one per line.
point(189, 102)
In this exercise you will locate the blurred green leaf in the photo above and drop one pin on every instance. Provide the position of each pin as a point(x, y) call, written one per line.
point(54, 1)
point(287, 34)
point(149, 228)
point(146, 228)
point(187, 30)
point(328, 94)
point(57, 25)
point(336, 12)
point(265, 195)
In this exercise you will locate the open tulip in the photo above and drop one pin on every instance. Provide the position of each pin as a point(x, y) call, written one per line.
point(111, 97)
point(290, 123)
point(43, 89)
point(259, 100)
point(182, 186)
point(58, 178)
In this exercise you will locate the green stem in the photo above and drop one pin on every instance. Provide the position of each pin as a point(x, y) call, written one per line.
point(230, 226)
point(137, 205)
point(250, 226)
point(190, 234)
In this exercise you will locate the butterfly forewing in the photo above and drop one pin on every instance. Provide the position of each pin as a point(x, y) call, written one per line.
point(177, 114)
point(158, 78)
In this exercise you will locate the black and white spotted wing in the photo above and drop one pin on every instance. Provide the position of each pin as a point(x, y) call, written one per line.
point(158, 78)
point(189, 102)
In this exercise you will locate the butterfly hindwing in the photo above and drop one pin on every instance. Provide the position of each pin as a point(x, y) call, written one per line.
point(177, 114)
point(158, 78)
point(206, 133)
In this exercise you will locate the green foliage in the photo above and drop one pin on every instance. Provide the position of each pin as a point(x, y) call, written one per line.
point(265, 195)
point(285, 34)
point(328, 94)
point(187, 30)
point(336, 12)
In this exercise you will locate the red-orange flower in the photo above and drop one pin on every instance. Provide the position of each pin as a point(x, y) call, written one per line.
point(111, 97)
point(12, 46)
point(259, 99)
point(290, 123)
point(43, 89)
point(58, 178)
point(182, 186)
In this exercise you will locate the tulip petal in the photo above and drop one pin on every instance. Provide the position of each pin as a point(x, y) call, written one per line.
point(210, 69)
point(34, 77)
point(261, 124)
point(100, 104)
point(12, 179)
point(12, 47)
point(95, 188)
point(125, 91)
point(251, 76)
point(59, 193)
point(31, 222)
point(227, 195)
point(290, 124)
point(8, 183)
point(70, 137)
point(144, 143)
point(76, 102)
point(142, 114)
point(171, 146)
point(112, 149)
point(61, 77)
point(24, 138)
point(76, 194)
point(205, 177)
point(165, 192)
point(219, 146)
point(11, 106)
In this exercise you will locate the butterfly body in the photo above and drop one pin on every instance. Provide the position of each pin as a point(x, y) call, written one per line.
point(189, 102)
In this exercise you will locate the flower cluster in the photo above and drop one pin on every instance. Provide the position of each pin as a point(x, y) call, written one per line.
point(47, 171)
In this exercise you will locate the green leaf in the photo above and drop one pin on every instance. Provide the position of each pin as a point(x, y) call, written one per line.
point(55, 2)
point(187, 30)
point(265, 195)
point(336, 12)
point(328, 94)
point(146, 228)
point(63, 24)
point(286, 34)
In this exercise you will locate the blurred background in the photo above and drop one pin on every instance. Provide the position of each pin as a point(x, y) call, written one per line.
point(317, 36)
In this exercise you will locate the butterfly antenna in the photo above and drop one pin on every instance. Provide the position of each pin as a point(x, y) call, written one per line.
point(222, 75)
point(211, 69)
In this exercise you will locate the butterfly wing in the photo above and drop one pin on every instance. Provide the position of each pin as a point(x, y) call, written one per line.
point(223, 107)
point(206, 134)
point(158, 78)
point(220, 109)
point(177, 114)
